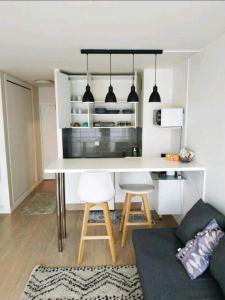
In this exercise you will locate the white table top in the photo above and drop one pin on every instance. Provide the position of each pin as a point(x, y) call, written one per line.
point(130, 164)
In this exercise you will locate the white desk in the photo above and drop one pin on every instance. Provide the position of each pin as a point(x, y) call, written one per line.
point(132, 164)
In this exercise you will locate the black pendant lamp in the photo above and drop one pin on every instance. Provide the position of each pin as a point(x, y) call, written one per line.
point(155, 97)
point(133, 96)
point(110, 96)
point(88, 96)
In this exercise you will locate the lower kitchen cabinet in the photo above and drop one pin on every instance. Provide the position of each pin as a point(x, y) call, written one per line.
point(167, 197)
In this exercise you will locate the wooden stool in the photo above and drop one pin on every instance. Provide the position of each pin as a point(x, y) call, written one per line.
point(96, 186)
point(135, 189)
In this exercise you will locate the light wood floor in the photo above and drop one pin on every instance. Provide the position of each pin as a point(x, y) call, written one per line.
point(27, 241)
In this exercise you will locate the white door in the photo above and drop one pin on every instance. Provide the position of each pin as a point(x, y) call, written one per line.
point(48, 136)
point(21, 137)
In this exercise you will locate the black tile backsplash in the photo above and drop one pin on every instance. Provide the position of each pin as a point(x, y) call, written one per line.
point(113, 142)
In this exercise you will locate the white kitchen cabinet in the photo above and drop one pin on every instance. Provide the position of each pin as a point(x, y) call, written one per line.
point(71, 111)
point(167, 197)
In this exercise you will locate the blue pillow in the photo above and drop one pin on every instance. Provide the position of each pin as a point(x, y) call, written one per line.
point(196, 253)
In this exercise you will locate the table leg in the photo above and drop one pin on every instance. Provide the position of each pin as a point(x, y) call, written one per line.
point(59, 212)
point(63, 205)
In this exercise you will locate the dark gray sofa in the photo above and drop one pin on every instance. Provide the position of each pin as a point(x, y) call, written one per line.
point(162, 275)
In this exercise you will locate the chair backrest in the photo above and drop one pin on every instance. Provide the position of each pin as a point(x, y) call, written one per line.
point(95, 187)
point(135, 178)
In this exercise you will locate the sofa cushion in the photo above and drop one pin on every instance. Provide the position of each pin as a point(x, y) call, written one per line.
point(161, 274)
point(217, 264)
point(196, 254)
point(196, 219)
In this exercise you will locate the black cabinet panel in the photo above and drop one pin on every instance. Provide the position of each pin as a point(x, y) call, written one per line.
point(113, 142)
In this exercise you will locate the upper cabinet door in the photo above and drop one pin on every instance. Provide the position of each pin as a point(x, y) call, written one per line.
point(62, 93)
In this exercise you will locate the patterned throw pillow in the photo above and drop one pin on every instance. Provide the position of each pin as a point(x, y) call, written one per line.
point(196, 253)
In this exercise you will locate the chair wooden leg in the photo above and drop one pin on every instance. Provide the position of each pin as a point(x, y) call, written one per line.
point(109, 230)
point(127, 213)
point(123, 213)
point(147, 210)
point(83, 232)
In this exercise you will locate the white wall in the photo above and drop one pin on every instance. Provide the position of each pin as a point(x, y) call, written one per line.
point(180, 76)
point(156, 140)
point(4, 186)
point(46, 94)
point(206, 117)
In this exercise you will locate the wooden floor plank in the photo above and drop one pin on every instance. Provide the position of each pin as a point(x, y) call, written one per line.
point(26, 241)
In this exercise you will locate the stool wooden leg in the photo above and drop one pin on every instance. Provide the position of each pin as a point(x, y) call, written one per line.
point(147, 210)
point(127, 213)
point(109, 230)
point(123, 213)
point(83, 232)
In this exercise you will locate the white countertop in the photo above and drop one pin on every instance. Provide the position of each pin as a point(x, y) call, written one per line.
point(131, 164)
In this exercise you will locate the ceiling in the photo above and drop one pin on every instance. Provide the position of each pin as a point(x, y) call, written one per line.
point(38, 36)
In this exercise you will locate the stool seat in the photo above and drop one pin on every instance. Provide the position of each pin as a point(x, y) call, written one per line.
point(137, 188)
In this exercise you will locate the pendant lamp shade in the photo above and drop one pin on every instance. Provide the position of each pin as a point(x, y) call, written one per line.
point(133, 96)
point(155, 97)
point(88, 96)
point(110, 96)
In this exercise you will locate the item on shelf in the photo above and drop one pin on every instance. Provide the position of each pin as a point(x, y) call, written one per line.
point(112, 111)
point(123, 123)
point(75, 124)
point(127, 111)
point(100, 110)
point(186, 155)
point(104, 124)
point(73, 110)
point(79, 98)
point(80, 111)
point(136, 152)
point(85, 124)
point(74, 98)
point(172, 156)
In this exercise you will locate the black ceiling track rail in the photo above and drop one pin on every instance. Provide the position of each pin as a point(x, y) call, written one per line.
point(121, 51)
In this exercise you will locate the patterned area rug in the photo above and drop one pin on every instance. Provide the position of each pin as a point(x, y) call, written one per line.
point(97, 216)
point(40, 203)
point(84, 283)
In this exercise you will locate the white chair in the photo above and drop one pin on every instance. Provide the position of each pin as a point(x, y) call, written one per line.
point(96, 189)
point(135, 184)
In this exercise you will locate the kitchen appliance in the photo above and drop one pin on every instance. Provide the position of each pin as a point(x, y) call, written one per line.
point(168, 117)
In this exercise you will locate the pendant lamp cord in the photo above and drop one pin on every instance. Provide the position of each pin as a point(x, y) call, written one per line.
point(133, 68)
point(155, 67)
point(87, 70)
point(110, 67)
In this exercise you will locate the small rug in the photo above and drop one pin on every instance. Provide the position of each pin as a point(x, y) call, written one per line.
point(98, 217)
point(40, 203)
point(84, 283)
